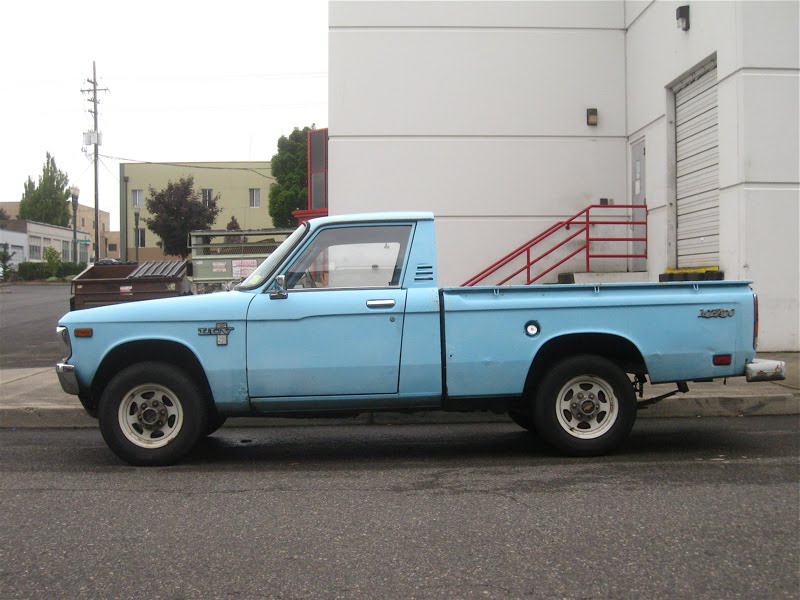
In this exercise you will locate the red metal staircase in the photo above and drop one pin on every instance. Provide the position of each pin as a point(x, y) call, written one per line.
point(585, 234)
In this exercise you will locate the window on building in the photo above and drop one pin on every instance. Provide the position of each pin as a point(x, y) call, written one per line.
point(137, 198)
point(112, 247)
point(65, 250)
point(83, 223)
point(103, 225)
point(35, 248)
point(140, 237)
point(208, 195)
point(46, 242)
point(255, 197)
point(83, 253)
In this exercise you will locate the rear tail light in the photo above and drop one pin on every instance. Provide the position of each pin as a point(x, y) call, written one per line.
point(755, 321)
point(721, 360)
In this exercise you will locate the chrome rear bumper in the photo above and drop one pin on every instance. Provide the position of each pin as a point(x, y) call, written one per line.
point(67, 378)
point(765, 370)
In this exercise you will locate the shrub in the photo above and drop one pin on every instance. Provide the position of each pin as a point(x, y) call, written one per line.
point(65, 269)
point(28, 271)
point(53, 259)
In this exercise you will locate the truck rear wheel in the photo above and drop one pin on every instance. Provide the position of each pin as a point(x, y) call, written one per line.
point(152, 413)
point(586, 406)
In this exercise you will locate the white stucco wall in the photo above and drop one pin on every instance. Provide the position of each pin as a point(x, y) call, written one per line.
point(756, 47)
point(17, 244)
point(477, 111)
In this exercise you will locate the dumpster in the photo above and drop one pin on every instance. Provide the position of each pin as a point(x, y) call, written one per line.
point(104, 284)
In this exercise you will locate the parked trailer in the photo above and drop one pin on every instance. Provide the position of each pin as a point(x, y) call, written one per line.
point(222, 257)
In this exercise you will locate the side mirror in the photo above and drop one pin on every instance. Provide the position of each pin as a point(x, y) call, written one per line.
point(280, 292)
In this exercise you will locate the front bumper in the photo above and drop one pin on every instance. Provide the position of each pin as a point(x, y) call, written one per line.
point(67, 378)
point(765, 370)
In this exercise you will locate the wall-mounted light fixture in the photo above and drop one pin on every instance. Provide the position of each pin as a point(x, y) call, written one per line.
point(591, 117)
point(682, 17)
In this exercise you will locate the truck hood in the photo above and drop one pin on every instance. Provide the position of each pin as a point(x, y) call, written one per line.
point(221, 306)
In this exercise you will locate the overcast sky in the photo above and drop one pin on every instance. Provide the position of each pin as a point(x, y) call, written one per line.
point(189, 81)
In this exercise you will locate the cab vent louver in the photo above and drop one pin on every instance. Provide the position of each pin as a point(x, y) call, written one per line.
point(424, 273)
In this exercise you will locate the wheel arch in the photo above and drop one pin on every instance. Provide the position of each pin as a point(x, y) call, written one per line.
point(616, 348)
point(132, 352)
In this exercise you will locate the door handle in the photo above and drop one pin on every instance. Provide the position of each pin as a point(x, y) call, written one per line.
point(380, 303)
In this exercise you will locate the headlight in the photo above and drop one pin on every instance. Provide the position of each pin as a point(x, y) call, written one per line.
point(64, 343)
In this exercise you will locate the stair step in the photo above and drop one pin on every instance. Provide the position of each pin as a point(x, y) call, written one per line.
point(620, 277)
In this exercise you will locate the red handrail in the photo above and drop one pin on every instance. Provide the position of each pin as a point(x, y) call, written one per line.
point(585, 224)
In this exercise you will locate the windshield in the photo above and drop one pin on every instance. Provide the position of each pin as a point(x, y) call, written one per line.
point(258, 276)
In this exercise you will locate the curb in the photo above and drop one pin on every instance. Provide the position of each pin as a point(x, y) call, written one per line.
point(69, 417)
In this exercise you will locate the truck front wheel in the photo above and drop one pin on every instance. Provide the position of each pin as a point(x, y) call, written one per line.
point(586, 406)
point(152, 413)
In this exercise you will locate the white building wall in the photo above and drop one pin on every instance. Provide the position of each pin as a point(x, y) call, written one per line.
point(44, 235)
point(477, 111)
point(17, 244)
point(757, 53)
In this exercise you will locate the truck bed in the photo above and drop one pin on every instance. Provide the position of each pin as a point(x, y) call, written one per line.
point(488, 349)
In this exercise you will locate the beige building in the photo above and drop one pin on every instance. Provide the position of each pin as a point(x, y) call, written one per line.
point(242, 188)
point(85, 220)
point(113, 244)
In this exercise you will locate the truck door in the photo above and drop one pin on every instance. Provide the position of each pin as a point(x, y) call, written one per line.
point(337, 331)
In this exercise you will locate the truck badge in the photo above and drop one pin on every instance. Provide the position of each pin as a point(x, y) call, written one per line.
point(716, 313)
point(221, 331)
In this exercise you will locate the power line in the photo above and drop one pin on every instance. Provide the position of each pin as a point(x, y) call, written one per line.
point(110, 172)
point(193, 166)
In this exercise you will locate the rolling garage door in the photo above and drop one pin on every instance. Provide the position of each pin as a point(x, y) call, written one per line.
point(697, 168)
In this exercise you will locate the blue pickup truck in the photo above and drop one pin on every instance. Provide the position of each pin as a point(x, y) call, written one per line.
point(346, 316)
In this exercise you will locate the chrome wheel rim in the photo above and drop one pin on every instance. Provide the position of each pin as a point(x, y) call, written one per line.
point(150, 416)
point(587, 407)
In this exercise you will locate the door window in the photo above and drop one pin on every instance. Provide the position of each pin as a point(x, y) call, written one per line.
point(352, 257)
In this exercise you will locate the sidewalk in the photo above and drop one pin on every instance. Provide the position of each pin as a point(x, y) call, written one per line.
point(33, 398)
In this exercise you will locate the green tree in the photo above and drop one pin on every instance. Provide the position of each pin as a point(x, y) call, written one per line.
point(290, 169)
point(53, 260)
point(46, 201)
point(175, 211)
point(5, 261)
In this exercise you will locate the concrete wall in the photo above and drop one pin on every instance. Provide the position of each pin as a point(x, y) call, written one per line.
point(477, 111)
point(230, 180)
point(17, 244)
point(757, 52)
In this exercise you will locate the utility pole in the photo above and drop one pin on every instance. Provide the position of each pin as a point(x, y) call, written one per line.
point(95, 137)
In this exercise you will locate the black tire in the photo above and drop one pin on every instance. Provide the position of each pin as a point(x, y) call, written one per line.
point(524, 420)
point(585, 406)
point(215, 421)
point(152, 413)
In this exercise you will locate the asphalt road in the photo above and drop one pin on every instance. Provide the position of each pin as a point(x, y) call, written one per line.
point(690, 508)
point(28, 318)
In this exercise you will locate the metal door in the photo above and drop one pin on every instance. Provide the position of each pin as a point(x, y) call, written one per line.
point(325, 343)
point(639, 196)
point(697, 168)
point(337, 330)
